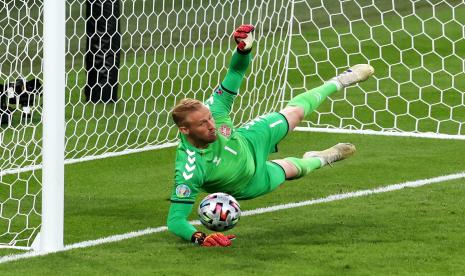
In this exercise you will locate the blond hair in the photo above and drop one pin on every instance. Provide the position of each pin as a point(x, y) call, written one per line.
point(183, 108)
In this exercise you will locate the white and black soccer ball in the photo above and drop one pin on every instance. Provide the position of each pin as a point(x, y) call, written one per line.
point(219, 212)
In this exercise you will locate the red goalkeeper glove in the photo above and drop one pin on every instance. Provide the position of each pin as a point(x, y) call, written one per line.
point(244, 37)
point(215, 239)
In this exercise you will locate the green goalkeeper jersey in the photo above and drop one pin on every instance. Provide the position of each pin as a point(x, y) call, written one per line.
point(226, 165)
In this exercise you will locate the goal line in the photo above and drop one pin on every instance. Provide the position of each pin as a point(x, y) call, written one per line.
point(335, 197)
point(395, 133)
point(303, 129)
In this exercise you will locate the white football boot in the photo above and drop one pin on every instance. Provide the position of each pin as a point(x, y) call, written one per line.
point(335, 153)
point(355, 74)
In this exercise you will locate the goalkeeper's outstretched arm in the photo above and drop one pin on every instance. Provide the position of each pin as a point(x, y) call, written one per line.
point(240, 60)
point(182, 199)
point(177, 220)
point(220, 103)
point(178, 224)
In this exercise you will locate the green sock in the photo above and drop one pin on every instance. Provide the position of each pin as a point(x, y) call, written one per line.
point(311, 99)
point(304, 165)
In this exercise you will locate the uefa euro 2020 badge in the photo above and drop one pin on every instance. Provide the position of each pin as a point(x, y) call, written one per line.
point(183, 191)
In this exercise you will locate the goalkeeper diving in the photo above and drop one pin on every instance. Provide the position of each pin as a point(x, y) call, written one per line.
point(213, 156)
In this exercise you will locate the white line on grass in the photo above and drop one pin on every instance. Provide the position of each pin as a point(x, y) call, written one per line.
point(120, 237)
point(89, 158)
point(430, 135)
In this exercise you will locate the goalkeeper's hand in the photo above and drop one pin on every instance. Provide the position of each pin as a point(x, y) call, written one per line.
point(244, 37)
point(215, 239)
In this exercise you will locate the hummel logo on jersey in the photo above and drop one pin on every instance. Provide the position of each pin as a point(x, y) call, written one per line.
point(187, 176)
point(251, 123)
point(216, 160)
point(190, 165)
point(209, 102)
point(189, 168)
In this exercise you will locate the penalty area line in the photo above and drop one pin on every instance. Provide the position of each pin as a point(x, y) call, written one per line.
point(135, 234)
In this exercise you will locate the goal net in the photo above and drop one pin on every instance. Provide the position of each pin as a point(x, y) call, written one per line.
point(417, 50)
point(169, 50)
point(176, 49)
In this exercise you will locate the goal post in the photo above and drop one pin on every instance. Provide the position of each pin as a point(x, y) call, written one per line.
point(53, 117)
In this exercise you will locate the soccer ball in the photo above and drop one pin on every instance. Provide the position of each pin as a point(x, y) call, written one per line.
point(219, 212)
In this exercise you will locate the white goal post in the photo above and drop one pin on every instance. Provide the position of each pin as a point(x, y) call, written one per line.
point(175, 49)
point(50, 237)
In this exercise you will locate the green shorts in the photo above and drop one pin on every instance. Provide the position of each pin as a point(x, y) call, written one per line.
point(263, 134)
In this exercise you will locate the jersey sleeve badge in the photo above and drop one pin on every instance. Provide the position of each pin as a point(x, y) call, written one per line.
point(183, 191)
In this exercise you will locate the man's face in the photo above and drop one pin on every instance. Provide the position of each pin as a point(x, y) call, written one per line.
point(199, 127)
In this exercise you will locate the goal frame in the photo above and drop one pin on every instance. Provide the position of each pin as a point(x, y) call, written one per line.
point(50, 237)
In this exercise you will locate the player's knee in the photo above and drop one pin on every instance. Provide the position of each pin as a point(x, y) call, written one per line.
point(290, 170)
point(294, 115)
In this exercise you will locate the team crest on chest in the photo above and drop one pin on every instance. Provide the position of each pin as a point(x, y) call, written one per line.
point(225, 130)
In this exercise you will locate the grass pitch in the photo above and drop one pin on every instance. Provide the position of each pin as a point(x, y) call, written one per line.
point(410, 231)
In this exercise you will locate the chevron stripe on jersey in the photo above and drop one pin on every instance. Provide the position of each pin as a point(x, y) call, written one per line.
point(190, 165)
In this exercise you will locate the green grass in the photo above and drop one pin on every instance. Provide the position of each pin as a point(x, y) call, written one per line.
point(408, 231)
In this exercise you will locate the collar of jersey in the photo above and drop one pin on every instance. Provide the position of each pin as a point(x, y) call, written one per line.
point(186, 145)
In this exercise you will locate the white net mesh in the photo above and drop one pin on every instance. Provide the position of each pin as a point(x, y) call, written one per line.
point(416, 47)
point(20, 132)
point(169, 50)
